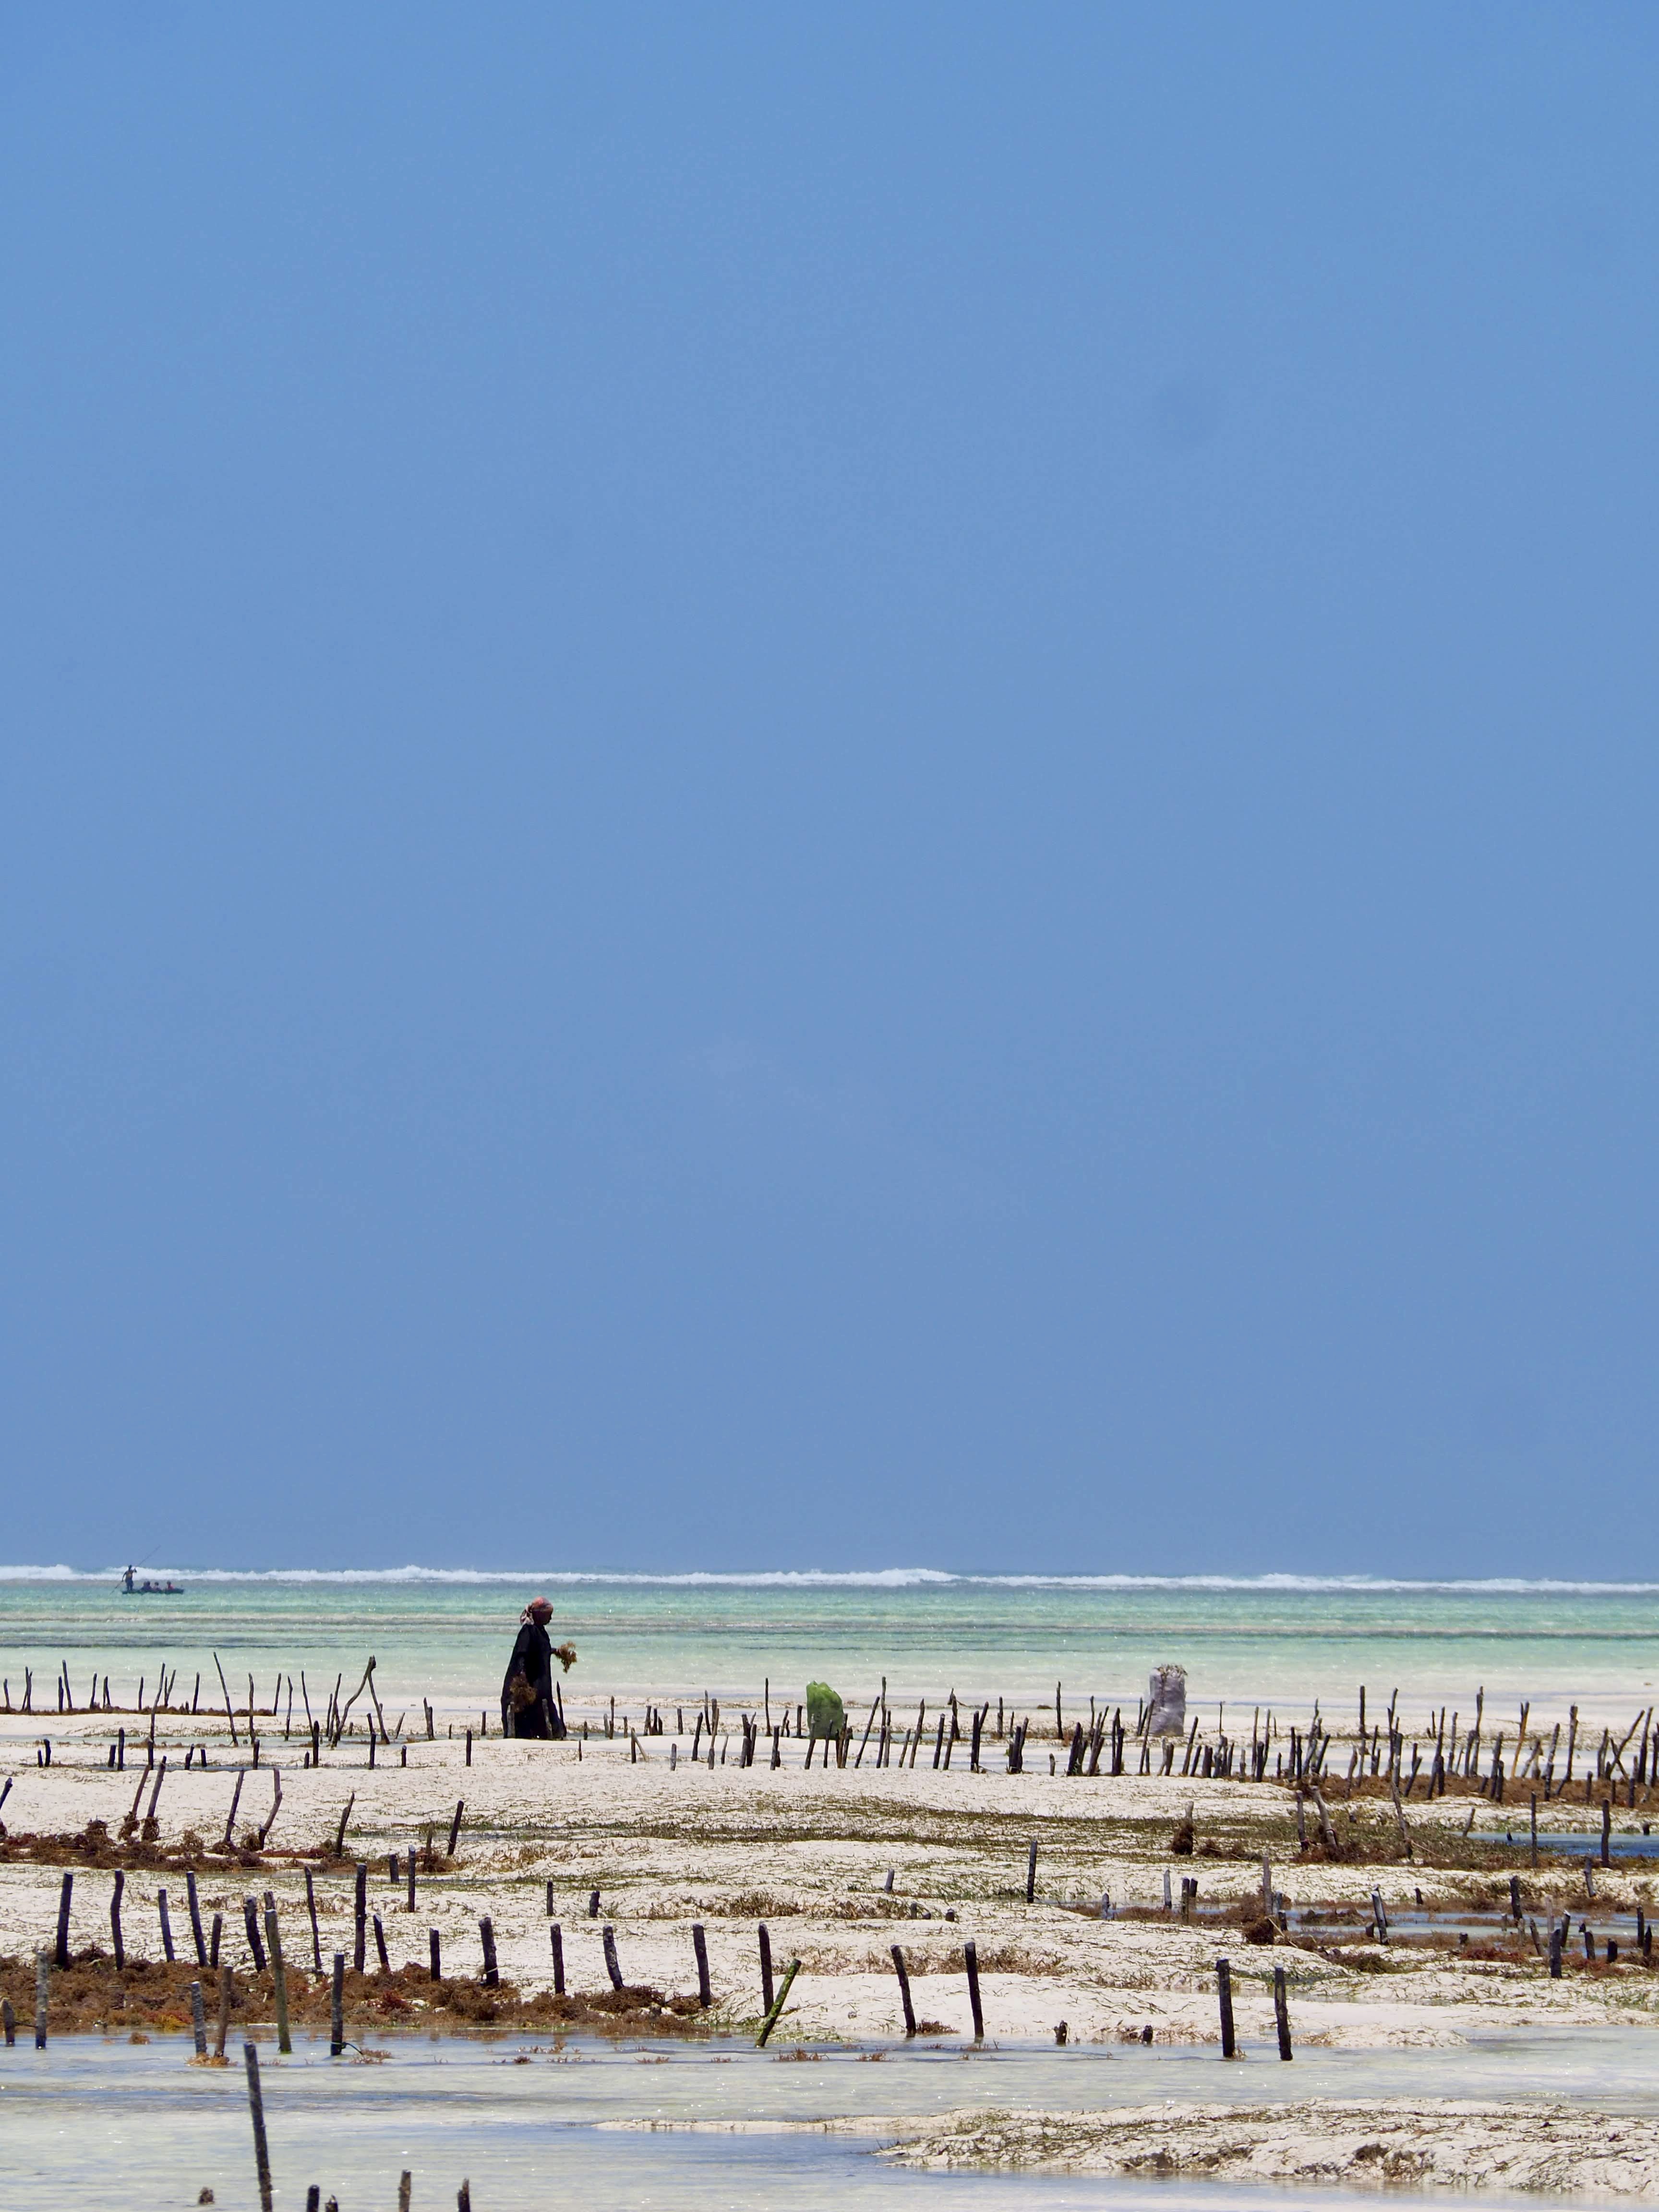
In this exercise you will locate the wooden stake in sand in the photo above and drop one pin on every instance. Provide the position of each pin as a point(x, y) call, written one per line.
point(556, 1937)
point(342, 1715)
point(198, 2020)
point(765, 1937)
point(904, 1991)
point(227, 1991)
point(278, 1973)
point(42, 1990)
point(62, 1952)
point(455, 1827)
point(1223, 1980)
point(276, 1805)
point(612, 1965)
point(167, 1925)
point(700, 1948)
point(868, 1725)
point(1031, 1873)
point(778, 2004)
point(1281, 2013)
point(336, 2007)
point(487, 1937)
point(230, 1710)
point(230, 1817)
point(257, 2112)
point(971, 1960)
point(195, 1918)
point(311, 1907)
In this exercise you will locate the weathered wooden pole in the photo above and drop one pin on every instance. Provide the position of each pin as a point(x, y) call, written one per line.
point(904, 1991)
point(278, 1973)
point(257, 2112)
point(699, 1944)
point(778, 2004)
point(1224, 1979)
point(196, 1936)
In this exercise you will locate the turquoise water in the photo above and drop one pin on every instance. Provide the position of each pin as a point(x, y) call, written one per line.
point(1281, 1644)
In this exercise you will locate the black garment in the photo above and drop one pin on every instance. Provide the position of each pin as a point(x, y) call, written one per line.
point(532, 1657)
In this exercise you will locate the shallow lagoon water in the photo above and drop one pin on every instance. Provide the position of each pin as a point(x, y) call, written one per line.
point(92, 2121)
point(1247, 1645)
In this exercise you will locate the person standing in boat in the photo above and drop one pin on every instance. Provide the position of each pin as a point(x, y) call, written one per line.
point(528, 1704)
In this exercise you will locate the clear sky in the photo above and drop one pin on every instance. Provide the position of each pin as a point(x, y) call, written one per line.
point(830, 787)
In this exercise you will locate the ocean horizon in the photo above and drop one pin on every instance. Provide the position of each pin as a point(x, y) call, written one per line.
point(848, 1578)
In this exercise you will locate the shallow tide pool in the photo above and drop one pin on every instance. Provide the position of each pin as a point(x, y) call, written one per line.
point(95, 2123)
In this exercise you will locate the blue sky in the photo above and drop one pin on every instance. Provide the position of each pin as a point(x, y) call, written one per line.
point(822, 788)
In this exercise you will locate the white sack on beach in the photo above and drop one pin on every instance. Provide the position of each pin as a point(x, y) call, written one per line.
point(1168, 1713)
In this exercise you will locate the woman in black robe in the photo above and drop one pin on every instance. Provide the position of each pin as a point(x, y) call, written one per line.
point(528, 1704)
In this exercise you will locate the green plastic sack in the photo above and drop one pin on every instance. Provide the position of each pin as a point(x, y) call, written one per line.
point(826, 1715)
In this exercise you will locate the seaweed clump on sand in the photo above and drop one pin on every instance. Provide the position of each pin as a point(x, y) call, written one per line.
point(92, 1994)
point(95, 1849)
